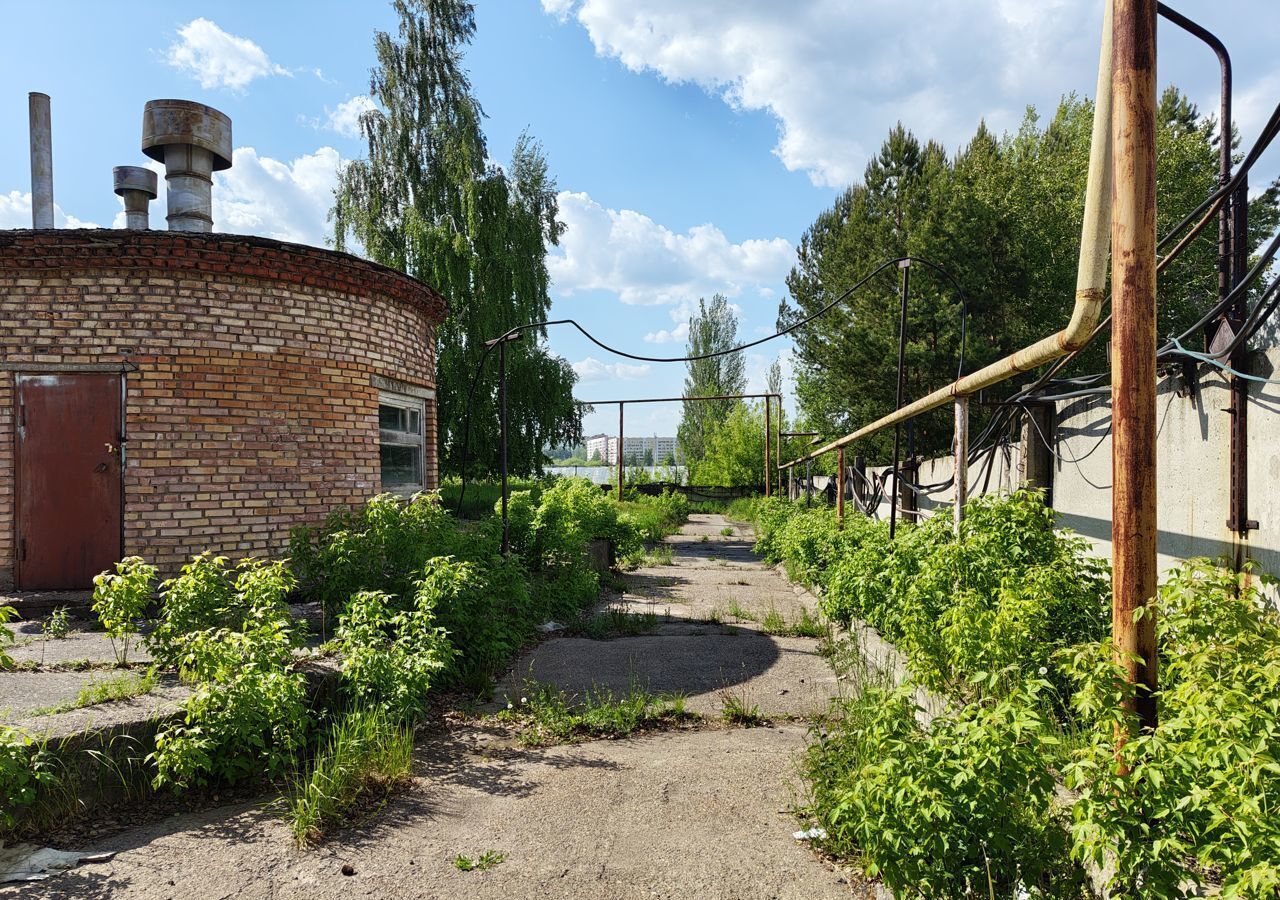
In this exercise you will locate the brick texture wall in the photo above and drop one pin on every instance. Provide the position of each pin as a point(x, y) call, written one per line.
point(252, 407)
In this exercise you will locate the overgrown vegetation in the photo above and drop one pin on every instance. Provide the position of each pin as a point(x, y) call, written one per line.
point(123, 686)
point(548, 715)
point(366, 755)
point(1008, 621)
point(120, 599)
point(418, 600)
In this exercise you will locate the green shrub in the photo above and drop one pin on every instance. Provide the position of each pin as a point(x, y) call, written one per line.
point(960, 810)
point(24, 769)
point(381, 546)
point(248, 715)
point(1202, 790)
point(211, 596)
point(7, 614)
point(391, 657)
point(120, 599)
point(229, 632)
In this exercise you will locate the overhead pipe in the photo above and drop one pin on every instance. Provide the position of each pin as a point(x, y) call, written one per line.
point(41, 124)
point(1091, 277)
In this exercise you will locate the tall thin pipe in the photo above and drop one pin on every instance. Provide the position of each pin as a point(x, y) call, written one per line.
point(41, 123)
point(1133, 381)
point(961, 454)
point(840, 487)
point(905, 266)
point(621, 444)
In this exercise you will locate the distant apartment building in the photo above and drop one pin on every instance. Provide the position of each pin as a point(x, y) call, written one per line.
point(636, 450)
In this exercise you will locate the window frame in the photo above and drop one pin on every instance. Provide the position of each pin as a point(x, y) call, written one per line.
point(393, 438)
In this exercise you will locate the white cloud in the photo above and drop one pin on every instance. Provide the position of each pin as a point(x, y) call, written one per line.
point(837, 74)
point(628, 254)
point(15, 212)
point(288, 201)
point(592, 369)
point(345, 119)
point(668, 335)
point(219, 59)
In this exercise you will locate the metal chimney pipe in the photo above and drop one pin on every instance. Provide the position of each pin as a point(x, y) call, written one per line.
point(193, 141)
point(138, 188)
point(41, 160)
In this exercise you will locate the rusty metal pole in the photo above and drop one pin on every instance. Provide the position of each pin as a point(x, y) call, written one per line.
point(961, 453)
point(768, 435)
point(502, 416)
point(621, 444)
point(777, 445)
point(840, 486)
point(1133, 380)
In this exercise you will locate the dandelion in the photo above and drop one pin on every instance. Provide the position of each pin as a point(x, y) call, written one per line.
point(1044, 670)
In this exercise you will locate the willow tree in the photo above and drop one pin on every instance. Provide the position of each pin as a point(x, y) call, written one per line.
point(427, 201)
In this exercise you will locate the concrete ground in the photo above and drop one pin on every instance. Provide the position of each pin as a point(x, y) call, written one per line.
point(702, 813)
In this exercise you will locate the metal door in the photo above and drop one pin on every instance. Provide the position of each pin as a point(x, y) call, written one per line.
point(69, 471)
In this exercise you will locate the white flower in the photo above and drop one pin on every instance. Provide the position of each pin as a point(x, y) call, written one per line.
point(1044, 670)
point(524, 699)
point(510, 705)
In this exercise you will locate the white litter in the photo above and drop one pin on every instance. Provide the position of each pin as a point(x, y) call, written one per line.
point(27, 862)
point(547, 627)
point(811, 834)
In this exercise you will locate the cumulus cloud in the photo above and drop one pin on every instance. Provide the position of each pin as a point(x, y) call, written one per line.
point(668, 335)
point(345, 118)
point(628, 254)
point(217, 58)
point(592, 369)
point(837, 74)
point(15, 212)
point(289, 201)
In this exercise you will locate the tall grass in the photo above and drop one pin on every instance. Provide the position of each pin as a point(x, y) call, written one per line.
point(367, 754)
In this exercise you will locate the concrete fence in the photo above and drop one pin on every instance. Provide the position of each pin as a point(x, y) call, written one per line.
point(1066, 448)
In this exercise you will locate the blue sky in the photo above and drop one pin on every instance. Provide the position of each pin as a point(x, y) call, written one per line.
point(693, 142)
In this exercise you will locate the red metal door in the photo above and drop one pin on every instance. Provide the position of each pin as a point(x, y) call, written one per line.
point(69, 504)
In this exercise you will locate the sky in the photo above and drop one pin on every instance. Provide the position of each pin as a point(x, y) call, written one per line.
point(692, 142)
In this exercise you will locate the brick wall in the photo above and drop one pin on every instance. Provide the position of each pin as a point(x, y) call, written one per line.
point(252, 407)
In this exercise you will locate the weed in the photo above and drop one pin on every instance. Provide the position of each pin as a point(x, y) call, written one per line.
point(614, 622)
point(734, 710)
point(773, 623)
point(367, 753)
point(704, 539)
point(483, 863)
point(116, 687)
point(58, 624)
point(726, 531)
point(737, 612)
point(549, 717)
point(808, 625)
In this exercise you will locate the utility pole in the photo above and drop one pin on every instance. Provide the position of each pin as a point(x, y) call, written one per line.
point(1133, 380)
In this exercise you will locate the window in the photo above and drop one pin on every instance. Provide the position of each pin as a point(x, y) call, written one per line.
point(400, 421)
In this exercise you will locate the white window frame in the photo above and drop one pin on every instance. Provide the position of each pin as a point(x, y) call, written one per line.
point(403, 438)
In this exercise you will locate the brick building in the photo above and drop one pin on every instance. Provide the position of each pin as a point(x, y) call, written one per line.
point(163, 393)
